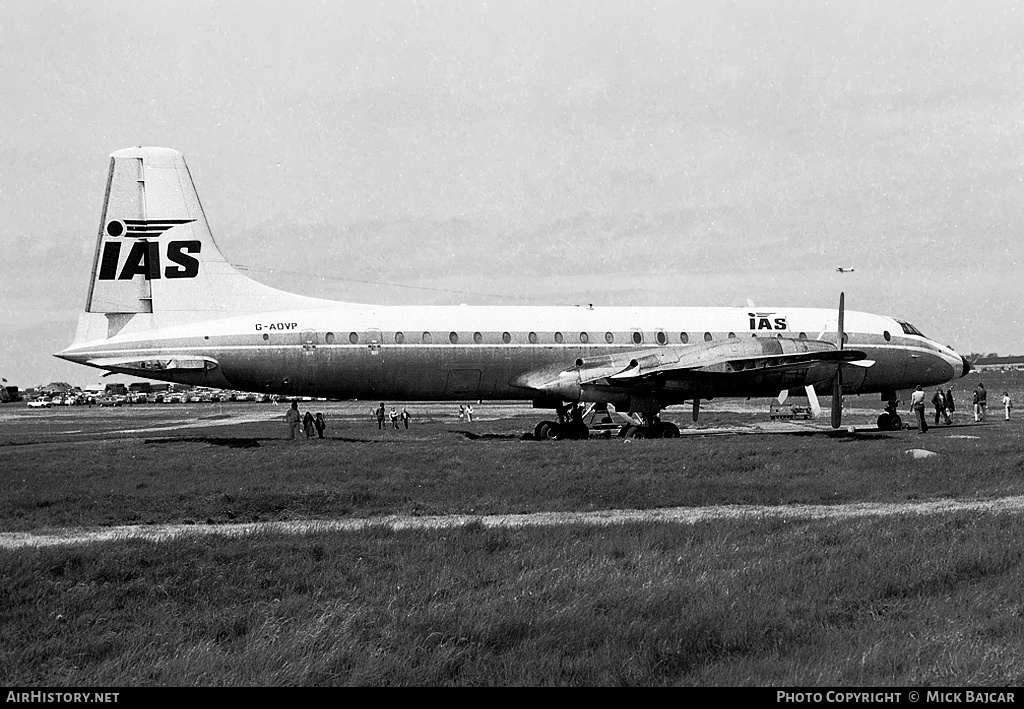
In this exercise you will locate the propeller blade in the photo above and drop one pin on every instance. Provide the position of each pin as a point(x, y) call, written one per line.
point(842, 313)
point(837, 383)
point(837, 399)
point(783, 395)
point(812, 399)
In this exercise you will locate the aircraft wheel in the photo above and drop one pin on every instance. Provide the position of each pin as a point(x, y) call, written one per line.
point(885, 422)
point(669, 430)
point(546, 431)
point(896, 422)
point(624, 431)
point(636, 432)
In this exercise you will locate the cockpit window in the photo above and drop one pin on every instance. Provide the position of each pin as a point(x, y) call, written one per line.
point(909, 329)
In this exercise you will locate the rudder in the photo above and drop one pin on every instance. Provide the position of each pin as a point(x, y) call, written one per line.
point(155, 252)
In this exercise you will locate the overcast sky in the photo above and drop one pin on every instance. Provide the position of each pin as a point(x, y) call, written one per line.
point(615, 153)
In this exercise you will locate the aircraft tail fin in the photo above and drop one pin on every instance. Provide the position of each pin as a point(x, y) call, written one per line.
point(155, 252)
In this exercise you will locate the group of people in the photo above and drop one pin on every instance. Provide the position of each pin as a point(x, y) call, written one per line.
point(981, 404)
point(313, 426)
point(944, 406)
point(395, 416)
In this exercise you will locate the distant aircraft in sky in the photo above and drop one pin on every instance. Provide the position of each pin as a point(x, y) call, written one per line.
point(164, 303)
point(845, 270)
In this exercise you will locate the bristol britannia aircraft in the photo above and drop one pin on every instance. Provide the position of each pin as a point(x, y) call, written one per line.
point(165, 304)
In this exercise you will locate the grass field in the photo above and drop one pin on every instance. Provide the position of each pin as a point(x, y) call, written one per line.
point(902, 599)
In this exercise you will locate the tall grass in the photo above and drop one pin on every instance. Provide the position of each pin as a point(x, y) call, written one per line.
point(931, 601)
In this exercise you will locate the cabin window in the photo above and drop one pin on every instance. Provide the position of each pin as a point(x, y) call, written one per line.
point(558, 337)
point(584, 338)
point(329, 338)
point(427, 338)
point(732, 335)
point(265, 337)
point(803, 335)
point(478, 338)
point(885, 334)
point(506, 337)
point(707, 337)
point(353, 337)
point(609, 337)
point(660, 337)
point(638, 337)
point(400, 337)
point(453, 337)
point(533, 338)
point(846, 338)
point(684, 338)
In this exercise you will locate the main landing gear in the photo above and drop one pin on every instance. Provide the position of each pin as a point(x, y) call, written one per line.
point(651, 426)
point(571, 426)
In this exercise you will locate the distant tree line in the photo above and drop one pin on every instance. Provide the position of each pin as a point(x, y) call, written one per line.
point(993, 358)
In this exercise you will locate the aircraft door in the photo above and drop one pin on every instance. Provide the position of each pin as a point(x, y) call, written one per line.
point(308, 377)
point(374, 339)
point(308, 346)
point(375, 359)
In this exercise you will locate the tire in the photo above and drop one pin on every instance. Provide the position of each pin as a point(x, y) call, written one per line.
point(669, 430)
point(636, 432)
point(884, 422)
point(896, 422)
point(624, 431)
point(546, 431)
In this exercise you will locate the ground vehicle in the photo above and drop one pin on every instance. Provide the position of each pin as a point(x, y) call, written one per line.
point(40, 403)
point(789, 411)
point(108, 400)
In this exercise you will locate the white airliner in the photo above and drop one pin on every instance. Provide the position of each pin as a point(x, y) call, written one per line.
point(165, 304)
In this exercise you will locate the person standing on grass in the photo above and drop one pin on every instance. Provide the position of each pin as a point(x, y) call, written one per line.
point(319, 424)
point(380, 417)
point(980, 395)
point(405, 417)
point(307, 425)
point(939, 404)
point(394, 418)
point(469, 413)
point(1007, 404)
point(292, 419)
point(917, 409)
point(950, 404)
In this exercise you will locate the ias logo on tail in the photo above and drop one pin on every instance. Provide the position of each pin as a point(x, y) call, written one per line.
point(143, 258)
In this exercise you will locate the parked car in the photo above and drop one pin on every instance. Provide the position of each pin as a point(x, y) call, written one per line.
point(40, 403)
point(110, 400)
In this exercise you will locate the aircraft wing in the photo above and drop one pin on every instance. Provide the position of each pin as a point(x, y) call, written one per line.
point(746, 367)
